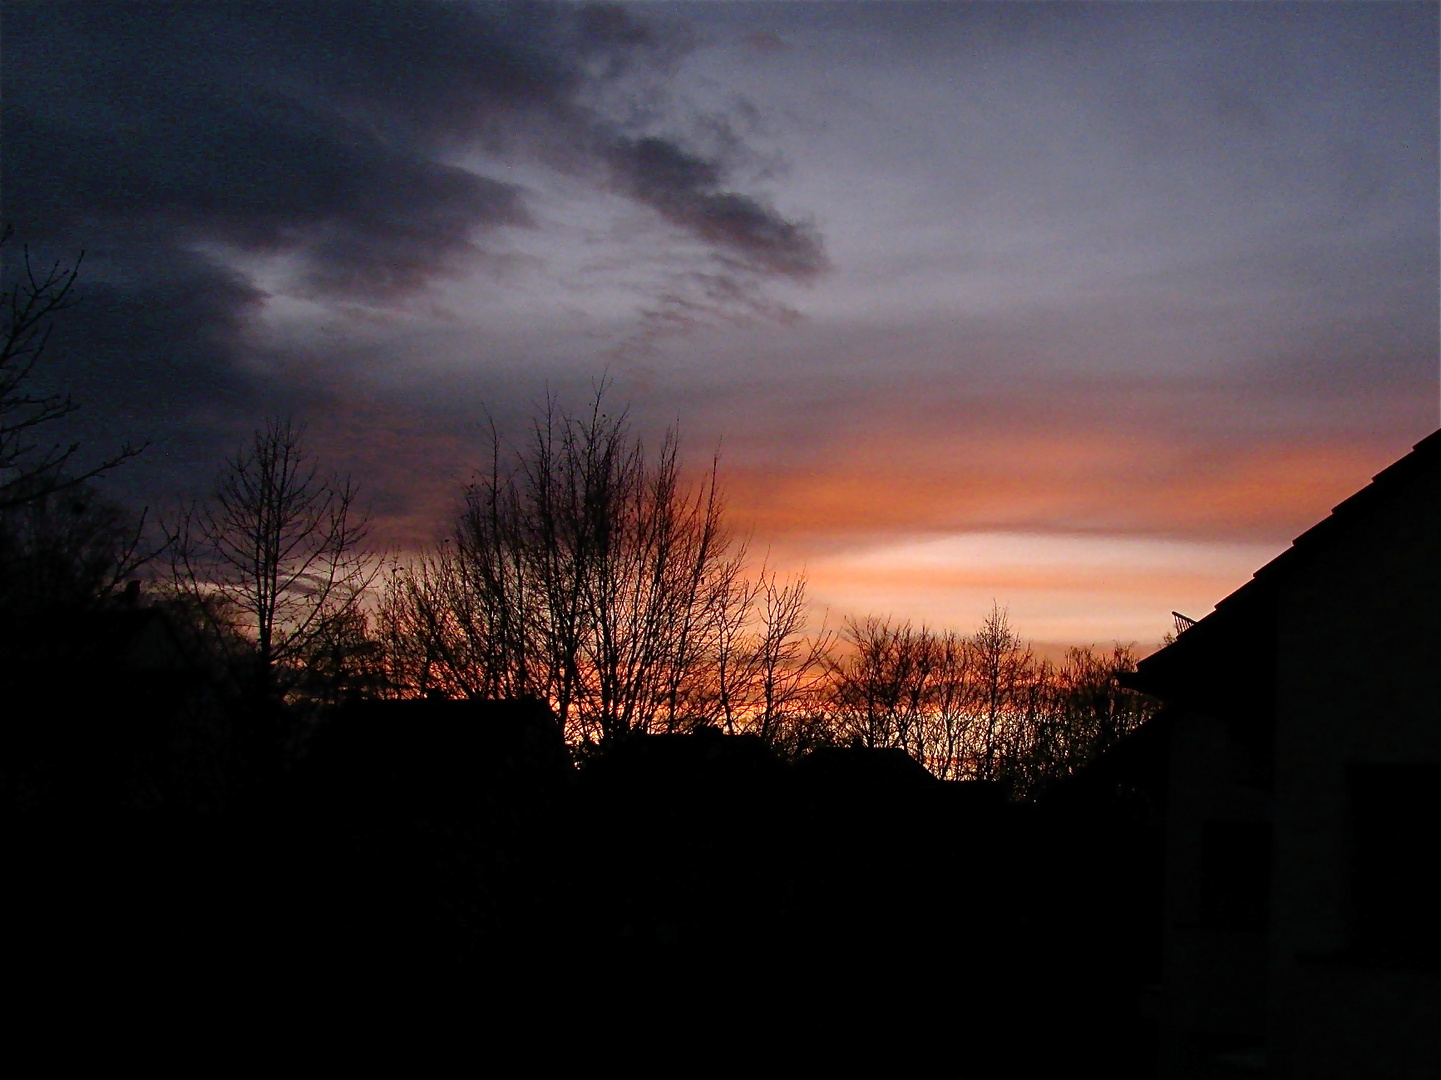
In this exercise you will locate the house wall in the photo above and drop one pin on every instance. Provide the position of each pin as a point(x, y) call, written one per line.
point(1358, 684)
point(1213, 1006)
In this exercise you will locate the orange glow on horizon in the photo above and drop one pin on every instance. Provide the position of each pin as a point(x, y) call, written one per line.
point(1137, 487)
point(1087, 541)
point(1086, 536)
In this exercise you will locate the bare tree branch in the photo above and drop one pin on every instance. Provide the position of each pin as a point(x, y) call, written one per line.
point(276, 552)
point(29, 468)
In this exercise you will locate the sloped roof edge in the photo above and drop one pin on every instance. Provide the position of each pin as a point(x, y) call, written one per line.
point(1423, 455)
point(1253, 596)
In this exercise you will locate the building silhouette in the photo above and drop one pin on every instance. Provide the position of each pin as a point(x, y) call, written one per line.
point(1301, 749)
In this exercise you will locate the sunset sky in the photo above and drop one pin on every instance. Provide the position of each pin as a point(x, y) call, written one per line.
point(1086, 309)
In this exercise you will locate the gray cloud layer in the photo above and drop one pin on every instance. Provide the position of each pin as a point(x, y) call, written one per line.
point(330, 134)
point(1019, 199)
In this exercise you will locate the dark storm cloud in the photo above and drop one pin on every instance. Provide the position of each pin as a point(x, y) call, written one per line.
point(247, 125)
point(324, 129)
point(153, 352)
point(688, 191)
point(153, 135)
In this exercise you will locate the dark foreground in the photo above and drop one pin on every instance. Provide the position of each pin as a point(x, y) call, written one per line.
point(684, 900)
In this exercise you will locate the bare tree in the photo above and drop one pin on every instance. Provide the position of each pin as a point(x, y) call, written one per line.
point(1003, 664)
point(65, 558)
point(439, 629)
point(275, 551)
point(880, 685)
point(949, 721)
point(636, 568)
point(978, 708)
point(790, 665)
point(583, 570)
point(736, 662)
point(1094, 709)
point(31, 467)
point(68, 549)
point(416, 631)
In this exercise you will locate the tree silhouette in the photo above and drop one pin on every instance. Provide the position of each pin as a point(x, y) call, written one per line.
point(69, 549)
point(30, 467)
point(880, 684)
point(585, 571)
point(789, 665)
point(66, 561)
point(275, 554)
point(1004, 667)
point(983, 707)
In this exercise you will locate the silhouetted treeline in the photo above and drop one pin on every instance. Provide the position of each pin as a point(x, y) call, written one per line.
point(586, 570)
point(583, 573)
point(580, 765)
point(588, 574)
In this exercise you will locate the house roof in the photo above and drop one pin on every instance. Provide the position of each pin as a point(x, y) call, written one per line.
point(1424, 456)
point(1239, 635)
point(105, 641)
